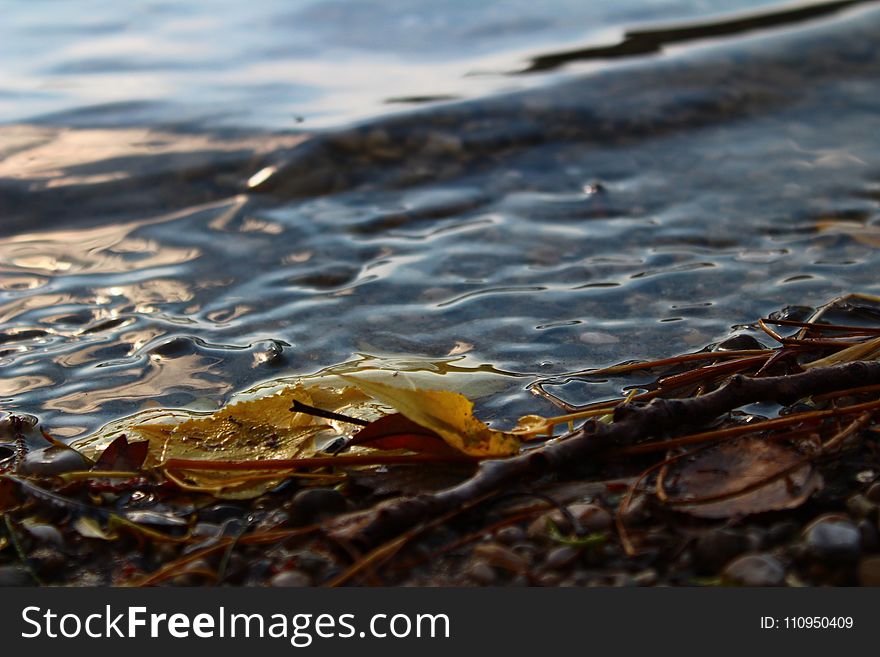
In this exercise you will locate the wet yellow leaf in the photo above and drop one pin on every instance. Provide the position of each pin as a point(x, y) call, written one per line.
point(257, 429)
point(448, 414)
point(262, 428)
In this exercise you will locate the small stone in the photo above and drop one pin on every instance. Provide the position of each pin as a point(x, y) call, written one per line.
point(198, 565)
point(754, 570)
point(519, 581)
point(538, 528)
point(510, 535)
point(45, 533)
point(869, 571)
point(833, 539)
point(548, 579)
point(717, 547)
point(15, 576)
point(310, 562)
point(525, 549)
point(590, 517)
point(647, 577)
point(501, 557)
point(291, 578)
point(51, 461)
point(866, 476)
point(314, 503)
point(562, 557)
point(482, 573)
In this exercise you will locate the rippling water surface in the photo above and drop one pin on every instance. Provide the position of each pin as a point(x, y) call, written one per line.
point(196, 199)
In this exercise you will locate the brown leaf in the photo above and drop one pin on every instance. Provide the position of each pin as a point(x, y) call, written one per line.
point(742, 477)
point(396, 431)
point(123, 456)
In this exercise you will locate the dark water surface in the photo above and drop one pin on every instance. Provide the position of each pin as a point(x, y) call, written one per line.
point(171, 235)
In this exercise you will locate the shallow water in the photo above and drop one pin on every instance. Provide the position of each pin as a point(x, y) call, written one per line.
point(157, 248)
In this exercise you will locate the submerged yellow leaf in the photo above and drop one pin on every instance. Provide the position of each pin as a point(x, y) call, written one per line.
point(448, 414)
point(262, 428)
point(257, 429)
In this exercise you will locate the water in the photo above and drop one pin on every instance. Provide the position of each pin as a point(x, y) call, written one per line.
point(199, 199)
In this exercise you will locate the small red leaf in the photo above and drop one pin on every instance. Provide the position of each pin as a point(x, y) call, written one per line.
point(121, 455)
point(397, 432)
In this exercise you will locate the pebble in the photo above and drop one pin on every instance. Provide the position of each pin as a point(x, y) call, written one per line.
point(869, 571)
point(310, 562)
point(51, 461)
point(591, 517)
point(199, 565)
point(510, 535)
point(647, 577)
point(832, 539)
point(15, 576)
point(548, 579)
point(481, 573)
point(755, 570)
point(525, 549)
point(291, 578)
point(562, 557)
point(313, 503)
point(501, 557)
point(45, 534)
point(717, 547)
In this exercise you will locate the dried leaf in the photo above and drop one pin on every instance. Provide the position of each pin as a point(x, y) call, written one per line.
point(448, 414)
point(261, 428)
point(396, 431)
point(123, 456)
point(740, 478)
point(256, 429)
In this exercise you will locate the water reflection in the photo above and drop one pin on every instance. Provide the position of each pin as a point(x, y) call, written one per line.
point(634, 213)
point(159, 382)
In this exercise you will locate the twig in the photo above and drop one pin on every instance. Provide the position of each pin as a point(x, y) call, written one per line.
point(632, 423)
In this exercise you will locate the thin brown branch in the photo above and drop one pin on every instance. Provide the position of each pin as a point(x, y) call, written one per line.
point(632, 423)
